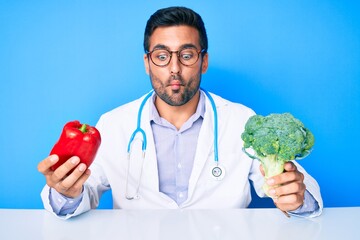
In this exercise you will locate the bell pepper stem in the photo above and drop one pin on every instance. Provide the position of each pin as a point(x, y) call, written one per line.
point(83, 128)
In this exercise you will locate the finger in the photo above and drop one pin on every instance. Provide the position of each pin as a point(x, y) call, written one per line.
point(262, 170)
point(285, 178)
point(72, 185)
point(64, 169)
point(288, 189)
point(289, 202)
point(70, 180)
point(78, 186)
point(44, 165)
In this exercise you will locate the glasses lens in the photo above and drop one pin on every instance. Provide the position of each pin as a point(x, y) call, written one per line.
point(188, 56)
point(162, 57)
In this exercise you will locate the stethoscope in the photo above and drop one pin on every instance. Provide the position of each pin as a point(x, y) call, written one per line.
point(217, 171)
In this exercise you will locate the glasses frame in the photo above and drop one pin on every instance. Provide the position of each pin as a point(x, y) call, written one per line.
point(171, 54)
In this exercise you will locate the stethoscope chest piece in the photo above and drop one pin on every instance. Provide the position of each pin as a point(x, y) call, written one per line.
point(218, 172)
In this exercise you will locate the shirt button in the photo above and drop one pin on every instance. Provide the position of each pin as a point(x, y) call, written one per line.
point(181, 195)
point(179, 166)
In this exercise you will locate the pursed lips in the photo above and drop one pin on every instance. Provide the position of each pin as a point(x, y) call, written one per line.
point(175, 84)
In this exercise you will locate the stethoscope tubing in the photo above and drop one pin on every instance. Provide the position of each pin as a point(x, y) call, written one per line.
point(212, 102)
point(138, 125)
point(217, 171)
point(142, 132)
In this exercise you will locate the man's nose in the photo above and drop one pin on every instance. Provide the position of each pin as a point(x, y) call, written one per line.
point(175, 65)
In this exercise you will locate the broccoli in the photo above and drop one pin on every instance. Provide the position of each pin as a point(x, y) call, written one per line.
point(276, 139)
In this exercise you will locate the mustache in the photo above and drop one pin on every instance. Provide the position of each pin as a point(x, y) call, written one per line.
point(176, 78)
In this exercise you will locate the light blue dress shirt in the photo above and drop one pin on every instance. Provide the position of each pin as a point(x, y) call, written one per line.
point(175, 151)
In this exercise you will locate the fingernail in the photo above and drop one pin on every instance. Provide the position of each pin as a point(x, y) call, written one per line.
point(82, 167)
point(272, 192)
point(270, 181)
point(53, 158)
point(75, 160)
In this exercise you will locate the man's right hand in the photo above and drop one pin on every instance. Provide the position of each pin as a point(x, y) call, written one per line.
point(69, 185)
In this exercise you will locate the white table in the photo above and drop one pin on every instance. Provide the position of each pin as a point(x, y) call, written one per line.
point(264, 224)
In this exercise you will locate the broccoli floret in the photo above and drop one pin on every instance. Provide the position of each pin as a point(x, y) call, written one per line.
point(276, 139)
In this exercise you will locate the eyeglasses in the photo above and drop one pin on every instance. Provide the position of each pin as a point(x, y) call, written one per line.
point(187, 56)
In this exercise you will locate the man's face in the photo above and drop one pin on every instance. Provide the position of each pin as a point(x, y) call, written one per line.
point(175, 83)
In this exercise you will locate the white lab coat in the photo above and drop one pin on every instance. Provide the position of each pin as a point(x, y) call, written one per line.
point(233, 191)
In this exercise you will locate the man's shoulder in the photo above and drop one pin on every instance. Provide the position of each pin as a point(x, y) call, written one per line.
point(233, 114)
point(231, 107)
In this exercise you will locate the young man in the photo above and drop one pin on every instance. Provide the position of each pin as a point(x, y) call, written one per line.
point(180, 168)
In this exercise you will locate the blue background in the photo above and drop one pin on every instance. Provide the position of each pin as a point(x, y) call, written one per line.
point(71, 59)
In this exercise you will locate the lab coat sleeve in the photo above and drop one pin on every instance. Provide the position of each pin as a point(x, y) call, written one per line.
point(257, 178)
point(313, 188)
point(83, 207)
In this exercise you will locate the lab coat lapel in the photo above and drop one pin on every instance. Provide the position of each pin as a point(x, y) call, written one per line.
point(150, 171)
point(204, 147)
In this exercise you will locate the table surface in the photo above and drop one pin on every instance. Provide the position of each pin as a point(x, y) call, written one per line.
point(334, 223)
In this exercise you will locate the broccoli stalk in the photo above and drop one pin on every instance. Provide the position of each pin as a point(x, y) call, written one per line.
point(272, 167)
point(274, 140)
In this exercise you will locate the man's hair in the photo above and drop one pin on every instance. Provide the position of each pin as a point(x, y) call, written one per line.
point(175, 16)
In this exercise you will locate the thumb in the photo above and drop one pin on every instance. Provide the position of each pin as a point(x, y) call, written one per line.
point(262, 170)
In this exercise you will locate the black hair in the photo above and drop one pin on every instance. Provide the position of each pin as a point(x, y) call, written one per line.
point(175, 16)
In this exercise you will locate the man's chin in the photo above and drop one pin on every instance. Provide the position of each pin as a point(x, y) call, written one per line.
point(175, 99)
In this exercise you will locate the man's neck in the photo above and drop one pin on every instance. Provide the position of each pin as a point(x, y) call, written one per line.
point(177, 115)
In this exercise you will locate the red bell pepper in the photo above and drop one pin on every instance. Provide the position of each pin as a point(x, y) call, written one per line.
point(79, 140)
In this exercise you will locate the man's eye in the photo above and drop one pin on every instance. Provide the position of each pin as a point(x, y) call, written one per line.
point(187, 56)
point(162, 56)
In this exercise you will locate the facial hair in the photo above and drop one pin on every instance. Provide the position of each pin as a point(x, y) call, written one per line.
point(177, 97)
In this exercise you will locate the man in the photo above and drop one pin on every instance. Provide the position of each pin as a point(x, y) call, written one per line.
point(178, 170)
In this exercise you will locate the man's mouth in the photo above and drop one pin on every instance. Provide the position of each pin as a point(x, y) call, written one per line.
point(175, 85)
point(175, 82)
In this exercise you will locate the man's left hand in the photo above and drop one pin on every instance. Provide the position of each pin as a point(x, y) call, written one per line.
point(287, 189)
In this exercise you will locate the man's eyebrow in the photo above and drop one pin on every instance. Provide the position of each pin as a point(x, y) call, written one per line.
point(162, 46)
point(187, 45)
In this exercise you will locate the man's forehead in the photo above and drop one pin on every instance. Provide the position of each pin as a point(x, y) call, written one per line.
point(175, 36)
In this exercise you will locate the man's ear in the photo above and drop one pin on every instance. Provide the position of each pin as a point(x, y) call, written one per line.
point(205, 63)
point(146, 63)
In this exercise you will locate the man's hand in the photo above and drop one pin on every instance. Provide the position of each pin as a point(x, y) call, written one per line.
point(287, 189)
point(70, 185)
